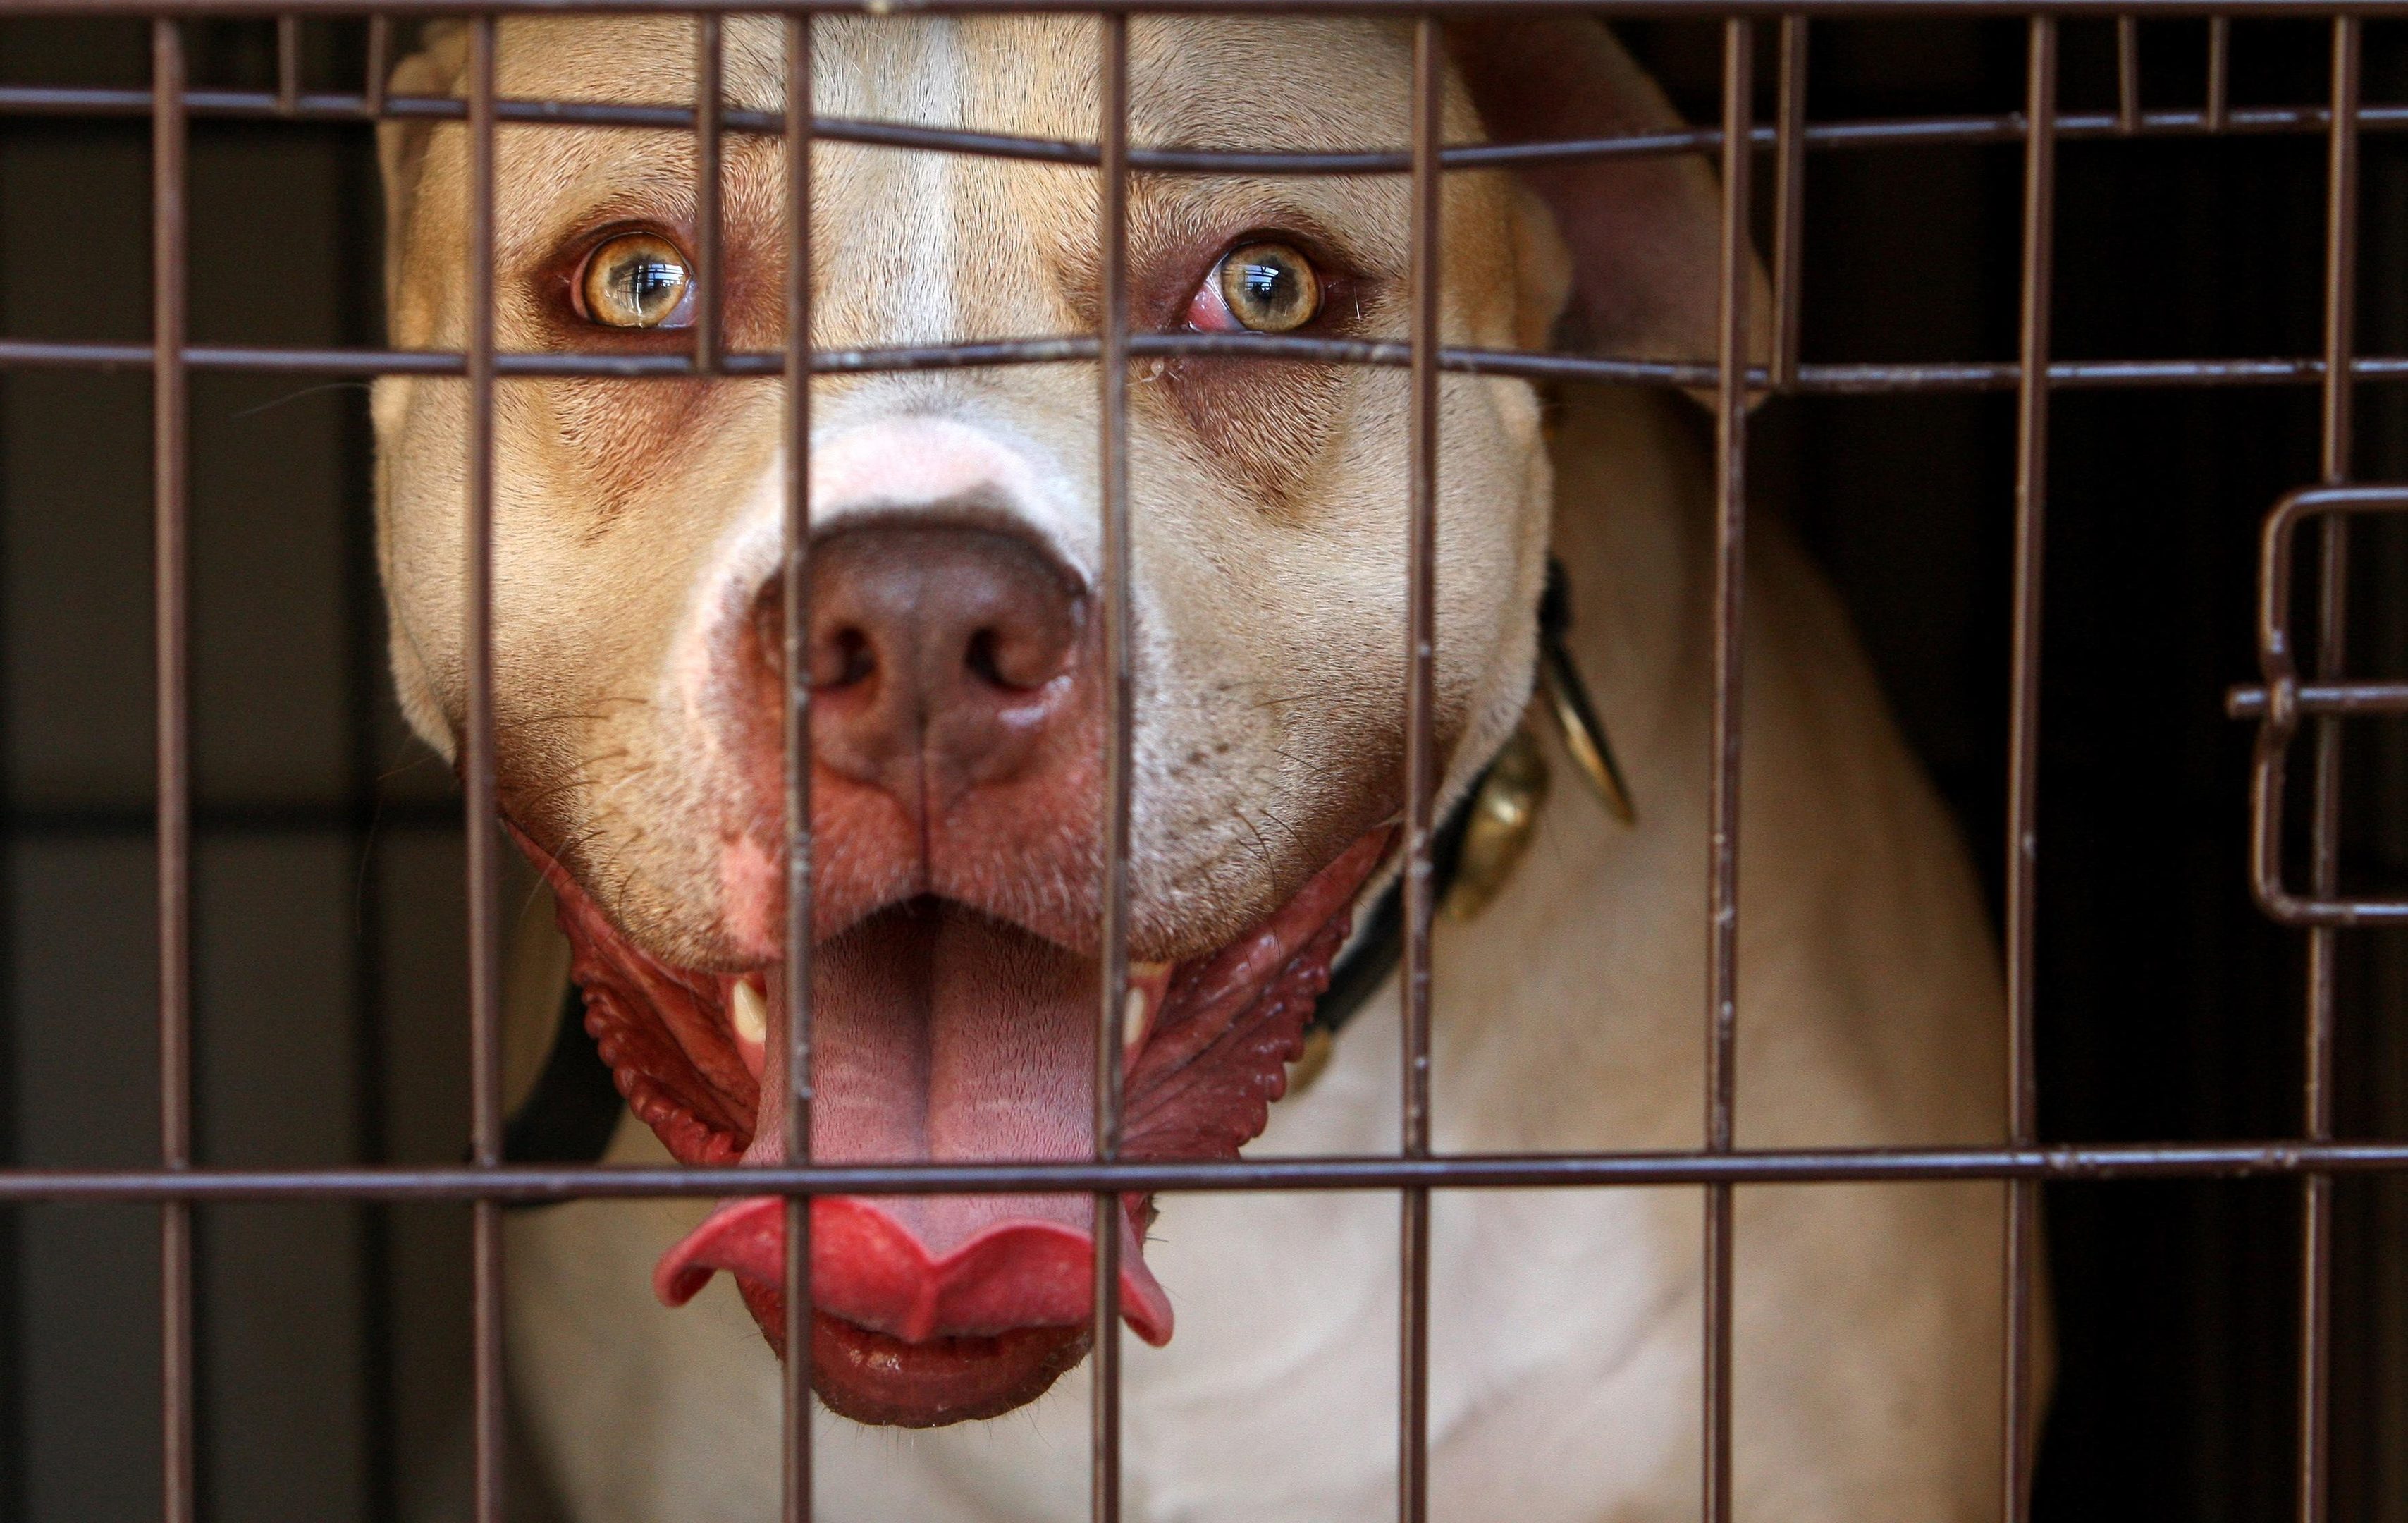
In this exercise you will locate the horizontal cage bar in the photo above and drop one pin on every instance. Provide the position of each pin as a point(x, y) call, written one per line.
point(1716, 11)
point(1901, 132)
point(1795, 1166)
point(1833, 379)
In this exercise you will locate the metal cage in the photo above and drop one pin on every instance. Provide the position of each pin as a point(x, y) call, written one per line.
point(2302, 695)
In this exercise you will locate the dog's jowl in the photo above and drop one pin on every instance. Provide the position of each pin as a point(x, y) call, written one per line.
point(957, 782)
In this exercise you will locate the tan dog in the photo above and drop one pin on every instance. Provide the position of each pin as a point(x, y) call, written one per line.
point(955, 776)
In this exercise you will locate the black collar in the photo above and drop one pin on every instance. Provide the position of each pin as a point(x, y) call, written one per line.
point(1373, 955)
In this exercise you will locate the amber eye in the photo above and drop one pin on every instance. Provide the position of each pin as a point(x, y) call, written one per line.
point(1270, 287)
point(636, 281)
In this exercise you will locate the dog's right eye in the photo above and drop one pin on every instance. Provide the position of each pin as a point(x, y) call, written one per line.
point(636, 281)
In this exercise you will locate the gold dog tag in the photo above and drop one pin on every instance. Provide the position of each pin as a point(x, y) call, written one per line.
point(1566, 701)
point(1498, 829)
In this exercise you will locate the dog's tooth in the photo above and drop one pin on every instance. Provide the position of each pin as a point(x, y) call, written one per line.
point(750, 1012)
point(1133, 1019)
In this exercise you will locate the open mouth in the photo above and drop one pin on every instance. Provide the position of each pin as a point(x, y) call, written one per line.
point(941, 1033)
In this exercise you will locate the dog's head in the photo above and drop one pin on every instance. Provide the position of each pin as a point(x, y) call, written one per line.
point(957, 744)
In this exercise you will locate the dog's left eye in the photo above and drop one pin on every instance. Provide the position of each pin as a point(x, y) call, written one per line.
point(1264, 287)
point(636, 281)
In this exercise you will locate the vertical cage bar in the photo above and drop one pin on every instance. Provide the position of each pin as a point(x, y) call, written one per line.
point(1421, 768)
point(797, 610)
point(288, 63)
point(476, 772)
point(2022, 765)
point(1789, 202)
point(707, 109)
point(2128, 74)
point(2219, 73)
point(380, 63)
point(170, 453)
point(1730, 589)
point(1111, 358)
point(2332, 585)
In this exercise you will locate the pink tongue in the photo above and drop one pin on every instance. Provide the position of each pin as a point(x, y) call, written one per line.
point(937, 1034)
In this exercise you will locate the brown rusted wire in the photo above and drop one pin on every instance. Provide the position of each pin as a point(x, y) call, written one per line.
point(1736, 275)
point(707, 219)
point(2128, 74)
point(2250, 702)
point(288, 65)
point(2288, 1158)
point(170, 487)
point(483, 816)
point(2023, 764)
point(1423, 766)
point(2218, 110)
point(2315, 1227)
point(796, 1415)
point(380, 64)
point(1789, 203)
point(1667, 10)
point(1887, 131)
point(1120, 699)
point(2280, 702)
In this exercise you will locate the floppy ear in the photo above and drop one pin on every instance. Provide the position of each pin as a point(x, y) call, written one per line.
point(1634, 254)
point(436, 69)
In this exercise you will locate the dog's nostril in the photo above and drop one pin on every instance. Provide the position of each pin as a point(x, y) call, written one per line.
point(843, 658)
point(1019, 660)
point(979, 658)
point(1023, 655)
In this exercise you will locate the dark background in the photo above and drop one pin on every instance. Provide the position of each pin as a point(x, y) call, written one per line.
point(334, 1336)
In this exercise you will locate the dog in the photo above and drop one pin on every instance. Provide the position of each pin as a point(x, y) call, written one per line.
point(957, 731)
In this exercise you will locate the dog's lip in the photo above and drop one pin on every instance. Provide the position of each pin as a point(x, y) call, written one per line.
point(1026, 1260)
point(716, 1129)
point(1016, 1273)
point(1205, 1055)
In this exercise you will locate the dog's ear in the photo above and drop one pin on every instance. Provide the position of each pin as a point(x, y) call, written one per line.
point(436, 69)
point(1627, 250)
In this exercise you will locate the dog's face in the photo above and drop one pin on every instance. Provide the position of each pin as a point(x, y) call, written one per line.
point(957, 717)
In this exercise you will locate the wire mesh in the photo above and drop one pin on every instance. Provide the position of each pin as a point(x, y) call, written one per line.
point(2281, 704)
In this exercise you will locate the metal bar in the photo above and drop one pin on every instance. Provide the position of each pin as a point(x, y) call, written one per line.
point(1113, 463)
point(1422, 767)
point(2279, 696)
point(1737, 269)
point(796, 606)
point(288, 65)
point(2128, 74)
point(2023, 774)
point(2315, 1227)
point(2337, 698)
point(534, 1184)
point(2023, 760)
point(380, 64)
point(170, 460)
point(1789, 203)
point(1658, 10)
point(1871, 379)
point(707, 221)
point(336, 107)
point(2218, 112)
point(482, 821)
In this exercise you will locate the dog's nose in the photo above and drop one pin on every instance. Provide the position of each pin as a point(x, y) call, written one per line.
point(939, 655)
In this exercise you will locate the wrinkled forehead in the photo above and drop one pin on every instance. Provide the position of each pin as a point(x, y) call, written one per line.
point(1216, 82)
point(1224, 82)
